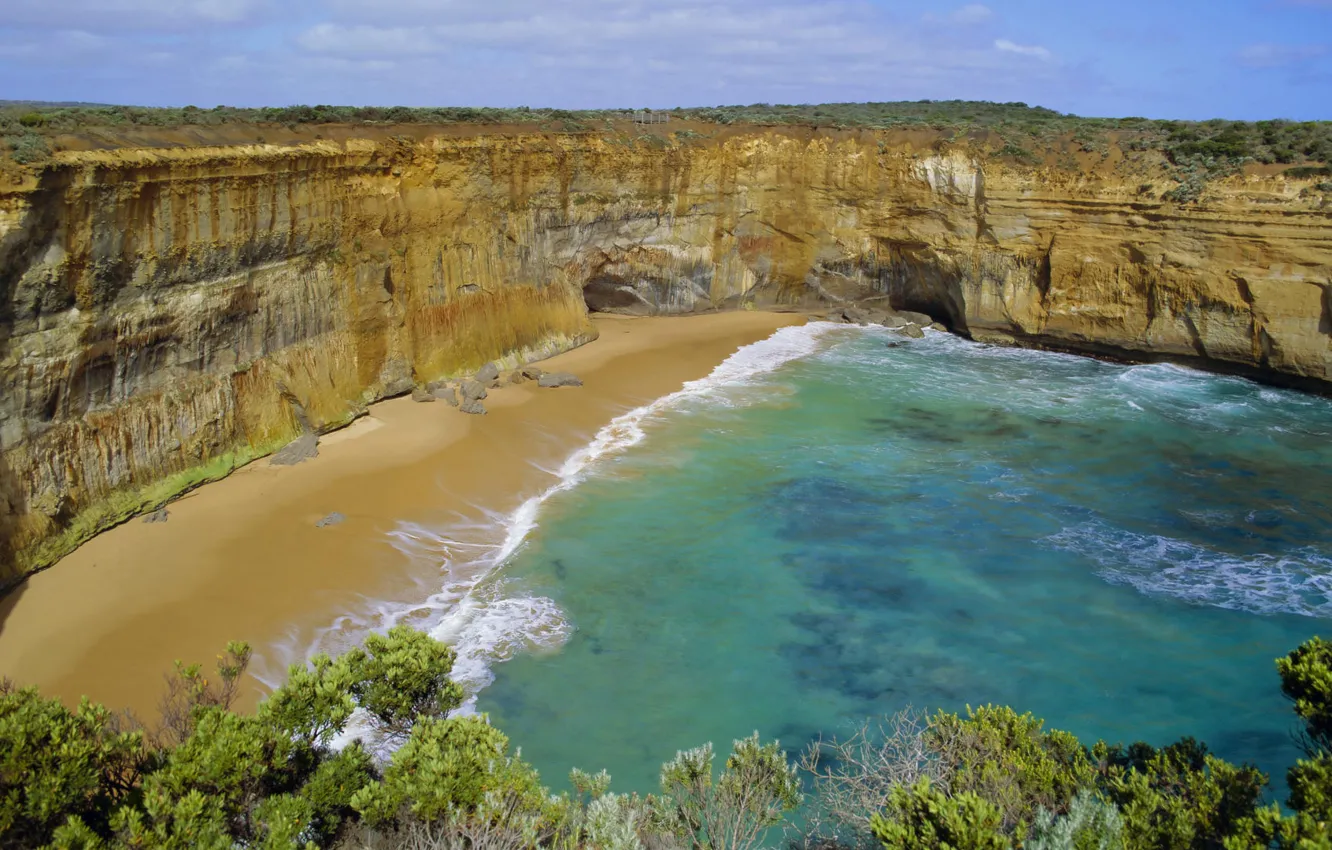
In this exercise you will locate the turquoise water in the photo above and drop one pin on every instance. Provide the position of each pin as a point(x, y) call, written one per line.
point(1120, 550)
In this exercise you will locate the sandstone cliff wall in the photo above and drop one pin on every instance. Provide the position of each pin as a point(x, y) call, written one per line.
point(166, 315)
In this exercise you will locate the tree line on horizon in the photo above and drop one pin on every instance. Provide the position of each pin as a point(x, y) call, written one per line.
point(1195, 151)
point(417, 776)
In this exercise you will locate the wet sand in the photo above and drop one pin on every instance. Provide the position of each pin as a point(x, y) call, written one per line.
point(243, 558)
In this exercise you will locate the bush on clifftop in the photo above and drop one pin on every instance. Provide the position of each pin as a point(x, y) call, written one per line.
point(993, 779)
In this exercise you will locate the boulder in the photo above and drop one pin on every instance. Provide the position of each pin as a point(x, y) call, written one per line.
point(472, 406)
point(913, 331)
point(531, 373)
point(559, 379)
point(517, 378)
point(422, 395)
point(853, 316)
point(473, 391)
point(488, 374)
point(894, 322)
point(159, 515)
point(334, 518)
point(448, 395)
point(935, 326)
point(301, 449)
point(436, 386)
point(915, 318)
point(398, 386)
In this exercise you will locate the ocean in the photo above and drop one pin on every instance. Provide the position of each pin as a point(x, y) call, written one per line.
point(840, 523)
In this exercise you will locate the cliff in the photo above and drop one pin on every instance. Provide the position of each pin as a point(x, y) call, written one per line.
point(167, 314)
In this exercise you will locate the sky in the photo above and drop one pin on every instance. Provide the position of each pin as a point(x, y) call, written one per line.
point(1191, 59)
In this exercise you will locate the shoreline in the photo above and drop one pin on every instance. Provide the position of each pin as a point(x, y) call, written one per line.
point(242, 558)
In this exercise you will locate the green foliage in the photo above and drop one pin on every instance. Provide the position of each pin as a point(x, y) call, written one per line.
point(1008, 759)
point(27, 147)
point(447, 767)
point(1310, 783)
point(754, 791)
point(1180, 796)
point(1022, 127)
point(402, 676)
point(1091, 824)
point(1018, 153)
point(1306, 679)
point(57, 764)
point(924, 818)
point(329, 790)
point(209, 777)
point(315, 702)
point(994, 779)
point(613, 822)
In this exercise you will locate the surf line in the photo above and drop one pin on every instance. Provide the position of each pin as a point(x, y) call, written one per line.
point(469, 611)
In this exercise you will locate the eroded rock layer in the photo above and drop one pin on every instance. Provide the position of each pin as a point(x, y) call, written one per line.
point(168, 314)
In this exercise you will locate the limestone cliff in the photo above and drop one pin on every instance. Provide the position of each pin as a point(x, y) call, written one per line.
point(168, 314)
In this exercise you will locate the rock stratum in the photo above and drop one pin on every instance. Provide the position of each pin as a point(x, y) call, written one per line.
point(169, 314)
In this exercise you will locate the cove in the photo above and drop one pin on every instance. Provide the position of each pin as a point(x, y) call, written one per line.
point(1121, 550)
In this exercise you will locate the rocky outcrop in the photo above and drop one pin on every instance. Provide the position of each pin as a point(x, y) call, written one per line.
point(554, 380)
point(168, 314)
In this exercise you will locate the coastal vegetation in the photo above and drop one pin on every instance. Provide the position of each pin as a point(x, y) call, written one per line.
point(365, 750)
point(1193, 151)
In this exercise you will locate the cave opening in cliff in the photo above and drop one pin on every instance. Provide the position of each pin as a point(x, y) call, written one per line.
point(609, 293)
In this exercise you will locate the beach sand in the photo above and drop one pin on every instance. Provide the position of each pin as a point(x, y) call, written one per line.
point(242, 559)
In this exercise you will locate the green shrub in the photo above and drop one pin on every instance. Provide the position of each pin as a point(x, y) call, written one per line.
point(1180, 796)
point(1011, 761)
point(447, 768)
point(1306, 680)
point(57, 765)
point(1090, 824)
point(922, 817)
point(729, 812)
point(28, 148)
point(403, 676)
point(1017, 152)
point(994, 779)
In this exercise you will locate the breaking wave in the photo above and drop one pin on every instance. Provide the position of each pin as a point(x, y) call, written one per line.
point(1297, 582)
point(471, 607)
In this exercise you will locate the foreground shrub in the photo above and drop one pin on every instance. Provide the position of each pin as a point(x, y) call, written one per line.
point(756, 789)
point(992, 779)
point(58, 765)
point(1009, 760)
point(923, 816)
point(1090, 824)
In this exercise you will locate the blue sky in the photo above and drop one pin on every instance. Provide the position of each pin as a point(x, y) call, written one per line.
point(1166, 58)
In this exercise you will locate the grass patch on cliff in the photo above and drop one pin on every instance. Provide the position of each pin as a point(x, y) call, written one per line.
point(123, 505)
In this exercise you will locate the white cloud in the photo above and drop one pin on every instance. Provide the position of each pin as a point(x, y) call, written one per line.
point(1279, 55)
point(973, 13)
point(129, 14)
point(507, 52)
point(1022, 49)
point(367, 41)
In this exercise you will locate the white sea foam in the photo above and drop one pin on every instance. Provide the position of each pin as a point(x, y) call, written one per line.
point(1299, 582)
point(473, 611)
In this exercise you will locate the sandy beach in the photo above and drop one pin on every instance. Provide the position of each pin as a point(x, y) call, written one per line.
point(243, 558)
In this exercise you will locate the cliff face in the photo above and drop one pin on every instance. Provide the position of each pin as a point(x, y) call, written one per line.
point(168, 314)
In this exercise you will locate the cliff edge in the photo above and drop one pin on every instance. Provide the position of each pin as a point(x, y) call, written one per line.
point(167, 314)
